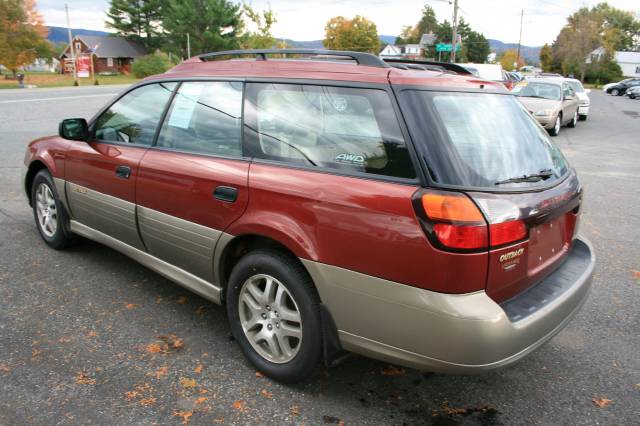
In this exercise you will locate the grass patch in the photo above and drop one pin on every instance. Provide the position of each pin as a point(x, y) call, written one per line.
point(58, 80)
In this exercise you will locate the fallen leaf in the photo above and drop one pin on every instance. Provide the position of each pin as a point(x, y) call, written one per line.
point(158, 300)
point(182, 300)
point(4, 368)
point(64, 339)
point(615, 364)
point(201, 400)
point(131, 305)
point(240, 405)
point(185, 415)
point(92, 334)
point(146, 402)
point(198, 369)
point(294, 410)
point(154, 348)
point(203, 391)
point(83, 379)
point(201, 310)
point(131, 394)
point(266, 393)
point(160, 372)
point(602, 402)
point(393, 371)
point(188, 383)
point(259, 374)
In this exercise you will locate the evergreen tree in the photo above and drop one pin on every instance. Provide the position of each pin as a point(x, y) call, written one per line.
point(138, 20)
point(212, 25)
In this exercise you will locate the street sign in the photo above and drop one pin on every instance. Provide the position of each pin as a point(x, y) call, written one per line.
point(446, 47)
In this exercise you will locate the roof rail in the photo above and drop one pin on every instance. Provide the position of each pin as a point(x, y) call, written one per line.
point(361, 58)
point(458, 69)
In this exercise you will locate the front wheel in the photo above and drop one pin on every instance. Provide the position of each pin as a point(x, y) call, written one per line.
point(48, 212)
point(615, 92)
point(555, 131)
point(574, 120)
point(274, 313)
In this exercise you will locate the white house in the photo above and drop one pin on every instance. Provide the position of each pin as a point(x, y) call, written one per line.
point(411, 51)
point(629, 62)
point(391, 51)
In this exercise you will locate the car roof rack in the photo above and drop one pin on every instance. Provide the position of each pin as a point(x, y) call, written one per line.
point(458, 69)
point(361, 58)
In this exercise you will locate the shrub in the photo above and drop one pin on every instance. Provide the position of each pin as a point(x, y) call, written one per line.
point(155, 63)
point(603, 71)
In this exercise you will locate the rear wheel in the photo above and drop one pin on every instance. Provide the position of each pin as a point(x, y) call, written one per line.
point(615, 92)
point(274, 312)
point(582, 117)
point(48, 212)
point(555, 131)
point(574, 120)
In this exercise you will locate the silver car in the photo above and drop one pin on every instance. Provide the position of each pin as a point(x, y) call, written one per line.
point(553, 103)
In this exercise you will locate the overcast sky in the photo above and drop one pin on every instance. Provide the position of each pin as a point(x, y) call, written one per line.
point(305, 20)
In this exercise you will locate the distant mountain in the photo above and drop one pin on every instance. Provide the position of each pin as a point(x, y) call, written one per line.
point(59, 34)
point(529, 53)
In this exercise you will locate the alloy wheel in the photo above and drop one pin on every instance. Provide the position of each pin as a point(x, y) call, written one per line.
point(270, 318)
point(46, 210)
point(556, 128)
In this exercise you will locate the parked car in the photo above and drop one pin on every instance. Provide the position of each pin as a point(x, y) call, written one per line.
point(583, 96)
point(551, 101)
point(633, 92)
point(412, 216)
point(493, 72)
point(620, 88)
point(610, 85)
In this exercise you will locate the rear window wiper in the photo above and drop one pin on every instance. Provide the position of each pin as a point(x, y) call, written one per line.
point(534, 177)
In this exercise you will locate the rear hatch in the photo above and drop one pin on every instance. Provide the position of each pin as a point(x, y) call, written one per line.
point(486, 148)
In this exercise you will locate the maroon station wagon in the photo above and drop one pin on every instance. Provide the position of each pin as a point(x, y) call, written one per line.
point(332, 201)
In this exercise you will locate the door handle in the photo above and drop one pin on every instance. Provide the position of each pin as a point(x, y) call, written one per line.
point(123, 172)
point(226, 193)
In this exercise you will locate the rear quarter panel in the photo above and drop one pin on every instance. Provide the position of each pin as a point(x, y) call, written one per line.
point(364, 225)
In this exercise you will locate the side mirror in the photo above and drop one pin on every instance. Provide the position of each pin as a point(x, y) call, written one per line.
point(75, 129)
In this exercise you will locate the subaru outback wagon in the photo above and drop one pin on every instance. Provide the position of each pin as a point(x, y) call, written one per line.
point(332, 201)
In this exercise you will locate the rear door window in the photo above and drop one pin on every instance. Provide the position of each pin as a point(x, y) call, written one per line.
point(355, 130)
point(205, 117)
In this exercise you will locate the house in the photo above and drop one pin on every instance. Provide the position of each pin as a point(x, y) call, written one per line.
point(629, 62)
point(111, 54)
point(409, 51)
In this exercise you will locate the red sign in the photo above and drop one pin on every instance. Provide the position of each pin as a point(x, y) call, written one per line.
point(84, 66)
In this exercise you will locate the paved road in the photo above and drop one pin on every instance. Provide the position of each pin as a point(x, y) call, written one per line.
point(79, 329)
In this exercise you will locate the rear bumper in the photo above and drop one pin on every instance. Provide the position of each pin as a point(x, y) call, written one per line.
point(465, 333)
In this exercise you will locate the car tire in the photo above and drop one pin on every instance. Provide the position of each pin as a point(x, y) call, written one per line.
point(555, 131)
point(270, 292)
point(49, 213)
point(582, 118)
point(615, 92)
point(573, 121)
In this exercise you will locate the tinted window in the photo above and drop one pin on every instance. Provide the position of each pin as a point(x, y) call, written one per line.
point(331, 127)
point(134, 117)
point(205, 117)
point(476, 140)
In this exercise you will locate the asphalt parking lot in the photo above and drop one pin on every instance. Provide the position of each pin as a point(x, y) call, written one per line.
point(88, 336)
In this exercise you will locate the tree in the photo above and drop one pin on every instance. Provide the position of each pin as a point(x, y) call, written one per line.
point(546, 58)
point(261, 37)
point(21, 34)
point(212, 25)
point(358, 34)
point(510, 57)
point(155, 63)
point(139, 20)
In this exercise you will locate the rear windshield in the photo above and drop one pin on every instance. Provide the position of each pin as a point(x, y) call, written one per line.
point(539, 90)
point(478, 139)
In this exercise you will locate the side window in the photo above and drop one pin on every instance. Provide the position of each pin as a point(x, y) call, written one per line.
point(205, 117)
point(134, 118)
point(323, 126)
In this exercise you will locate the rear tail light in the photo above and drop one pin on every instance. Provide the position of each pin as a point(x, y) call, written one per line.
point(452, 220)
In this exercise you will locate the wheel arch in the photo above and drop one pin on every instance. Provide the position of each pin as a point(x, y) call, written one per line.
point(235, 247)
point(34, 167)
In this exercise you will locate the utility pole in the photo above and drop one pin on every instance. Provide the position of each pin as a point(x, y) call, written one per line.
point(454, 36)
point(520, 37)
point(73, 51)
point(188, 46)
